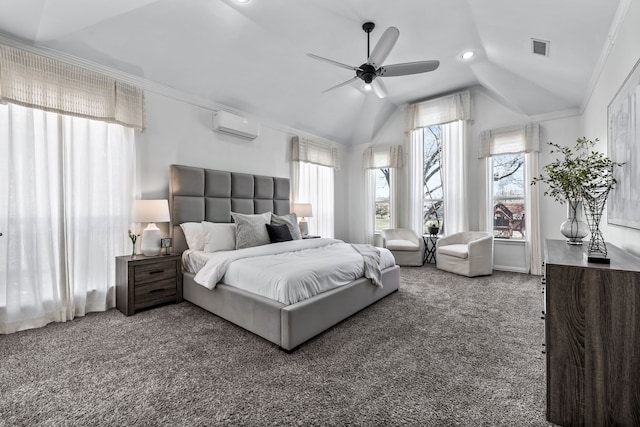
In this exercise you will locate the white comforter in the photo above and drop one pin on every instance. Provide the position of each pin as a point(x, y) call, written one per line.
point(288, 272)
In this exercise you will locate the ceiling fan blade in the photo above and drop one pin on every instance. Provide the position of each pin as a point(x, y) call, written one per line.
point(408, 68)
point(331, 61)
point(384, 46)
point(379, 88)
point(341, 84)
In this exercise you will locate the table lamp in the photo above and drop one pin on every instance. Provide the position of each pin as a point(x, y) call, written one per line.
point(303, 210)
point(151, 211)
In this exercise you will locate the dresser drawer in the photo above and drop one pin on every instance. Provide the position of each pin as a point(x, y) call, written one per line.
point(154, 272)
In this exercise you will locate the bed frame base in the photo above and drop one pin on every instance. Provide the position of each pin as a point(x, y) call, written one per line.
point(288, 326)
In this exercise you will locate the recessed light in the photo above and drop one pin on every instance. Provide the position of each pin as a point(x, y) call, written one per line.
point(468, 54)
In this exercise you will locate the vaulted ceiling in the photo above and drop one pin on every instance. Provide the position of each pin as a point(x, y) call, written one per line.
point(252, 57)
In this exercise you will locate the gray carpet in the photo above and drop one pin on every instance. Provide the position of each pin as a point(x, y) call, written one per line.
point(444, 350)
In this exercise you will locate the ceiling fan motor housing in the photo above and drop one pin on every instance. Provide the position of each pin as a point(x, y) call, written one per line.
point(367, 72)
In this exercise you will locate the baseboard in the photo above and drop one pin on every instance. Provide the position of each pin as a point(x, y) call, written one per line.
point(511, 269)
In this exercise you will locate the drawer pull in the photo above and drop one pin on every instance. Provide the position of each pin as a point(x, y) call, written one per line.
point(157, 290)
point(156, 272)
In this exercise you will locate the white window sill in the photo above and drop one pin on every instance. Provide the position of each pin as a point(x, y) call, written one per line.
point(516, 242)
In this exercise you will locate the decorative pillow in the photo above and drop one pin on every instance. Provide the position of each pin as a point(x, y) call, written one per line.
point(219, 236)
point(251, 230)
point(279, 233)
point(194, 235)
point(291, 221)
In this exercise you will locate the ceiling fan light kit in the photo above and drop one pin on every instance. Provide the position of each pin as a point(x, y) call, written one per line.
point(373, 68)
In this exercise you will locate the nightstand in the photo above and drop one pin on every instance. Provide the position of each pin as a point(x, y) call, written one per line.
point(147, 281)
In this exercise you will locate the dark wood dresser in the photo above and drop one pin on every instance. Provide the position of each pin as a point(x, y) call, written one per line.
point(592, 334)
point(144, 282)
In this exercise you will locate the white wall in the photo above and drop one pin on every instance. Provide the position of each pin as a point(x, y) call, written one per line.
point(180, 133)
point(624, 54)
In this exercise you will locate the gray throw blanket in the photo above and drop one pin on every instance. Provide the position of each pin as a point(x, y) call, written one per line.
point(371, 256)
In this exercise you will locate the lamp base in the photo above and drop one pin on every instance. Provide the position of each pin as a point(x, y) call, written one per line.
point(150, 245)
point(304, 228)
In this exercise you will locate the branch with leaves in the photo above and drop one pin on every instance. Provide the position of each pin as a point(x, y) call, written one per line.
point(579, 168)
point(133, 237)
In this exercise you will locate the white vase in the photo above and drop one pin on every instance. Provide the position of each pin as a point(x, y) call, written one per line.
point(574, 228)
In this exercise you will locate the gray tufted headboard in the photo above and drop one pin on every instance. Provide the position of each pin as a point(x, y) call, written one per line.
point(197, 194)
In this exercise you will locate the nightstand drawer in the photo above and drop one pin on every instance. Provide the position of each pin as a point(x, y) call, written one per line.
point(154, 272)
point(154, 291)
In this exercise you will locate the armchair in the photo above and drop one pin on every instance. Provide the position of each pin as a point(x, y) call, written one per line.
point(469, 253)
point(405, 244)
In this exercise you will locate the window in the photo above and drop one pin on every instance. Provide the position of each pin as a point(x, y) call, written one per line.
point(508, 196)
point(383, 199)
point(433, 200)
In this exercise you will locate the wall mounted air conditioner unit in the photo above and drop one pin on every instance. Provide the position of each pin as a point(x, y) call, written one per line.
point(232, 124)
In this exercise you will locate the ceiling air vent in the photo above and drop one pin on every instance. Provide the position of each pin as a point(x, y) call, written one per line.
point(540, 47)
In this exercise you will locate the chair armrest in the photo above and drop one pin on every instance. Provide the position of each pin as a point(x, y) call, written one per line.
point(485, 242)
point(448, 240)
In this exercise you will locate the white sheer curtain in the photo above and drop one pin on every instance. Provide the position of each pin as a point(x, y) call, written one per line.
point(415, 188)
point(532, 212)
point(454, 177)
point(66, 188)
point(485, 216)
point(369, 222)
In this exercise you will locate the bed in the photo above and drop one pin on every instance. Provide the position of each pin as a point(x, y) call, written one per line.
point(198, 194)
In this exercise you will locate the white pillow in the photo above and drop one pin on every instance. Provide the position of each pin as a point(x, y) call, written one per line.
point(194, 235)
point(251, 230)
point(219, 236)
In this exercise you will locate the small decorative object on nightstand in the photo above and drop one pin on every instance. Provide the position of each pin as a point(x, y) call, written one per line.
point(303, 210)
point(166, 243)
point(144, 282)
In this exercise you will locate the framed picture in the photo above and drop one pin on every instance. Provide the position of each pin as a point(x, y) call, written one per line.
point(166, 243)
point(623, 145)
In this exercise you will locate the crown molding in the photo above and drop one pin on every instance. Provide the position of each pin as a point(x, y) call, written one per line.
point(618, 20)
point(556, 115)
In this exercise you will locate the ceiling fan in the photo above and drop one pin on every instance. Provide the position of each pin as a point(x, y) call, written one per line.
point(373, 68)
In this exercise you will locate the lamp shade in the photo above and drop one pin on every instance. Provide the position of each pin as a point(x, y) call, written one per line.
point(151, 211)
point(303, 210)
